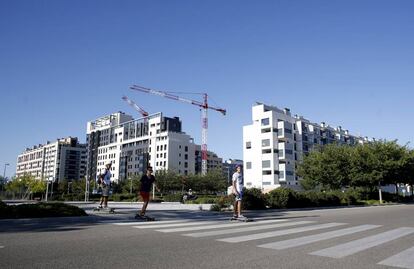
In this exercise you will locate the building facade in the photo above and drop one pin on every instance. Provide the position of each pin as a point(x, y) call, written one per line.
point(133, 144)
point(213, 161)
point(54, 161)
point(276, 142)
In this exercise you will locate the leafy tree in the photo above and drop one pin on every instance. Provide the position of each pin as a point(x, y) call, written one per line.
point(326, 168)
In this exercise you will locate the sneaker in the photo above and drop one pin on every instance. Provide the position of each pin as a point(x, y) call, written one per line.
point(99, 207)
point(241, 217)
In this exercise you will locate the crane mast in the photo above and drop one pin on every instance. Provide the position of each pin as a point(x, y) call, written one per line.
point(204, 124)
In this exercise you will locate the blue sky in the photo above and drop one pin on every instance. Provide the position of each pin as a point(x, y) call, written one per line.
point(63, 63)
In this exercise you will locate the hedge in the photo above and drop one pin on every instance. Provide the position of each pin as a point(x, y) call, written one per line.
point(39, 210)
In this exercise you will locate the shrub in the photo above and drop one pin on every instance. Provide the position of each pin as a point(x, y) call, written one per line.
point(222, 202)
point(42, 210)
point(282, 198)
point(124, 197)
point(177, 197)
point(215, 207)
point(253, 199)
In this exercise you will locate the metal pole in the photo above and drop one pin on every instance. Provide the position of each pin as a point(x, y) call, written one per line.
point(47, 189)
point(4, 175)
point(51, 191)
point(130, 188)
point(86, 188)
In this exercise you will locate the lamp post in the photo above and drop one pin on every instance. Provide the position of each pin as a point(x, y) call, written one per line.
point(4, 175)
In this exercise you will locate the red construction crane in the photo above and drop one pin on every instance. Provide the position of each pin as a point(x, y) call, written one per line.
point(135, 106)
point(204, 105)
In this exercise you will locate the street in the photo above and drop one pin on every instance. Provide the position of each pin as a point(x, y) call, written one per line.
point(359, 237)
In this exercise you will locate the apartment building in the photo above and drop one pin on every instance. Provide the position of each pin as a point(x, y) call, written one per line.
point(133, 144)
point(214, 162)
point(276, 142)
point(54, 161)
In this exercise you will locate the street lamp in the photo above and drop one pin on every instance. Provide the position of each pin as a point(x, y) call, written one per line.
point(4, 175)
point(4, 172)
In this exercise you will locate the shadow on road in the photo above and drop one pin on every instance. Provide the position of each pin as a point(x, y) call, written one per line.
point(62, 224)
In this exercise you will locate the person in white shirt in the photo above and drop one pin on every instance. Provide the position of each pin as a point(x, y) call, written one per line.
point(238, 192)
point(105, 182)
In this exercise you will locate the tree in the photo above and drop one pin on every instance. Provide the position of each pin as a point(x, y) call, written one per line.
point(326, 168)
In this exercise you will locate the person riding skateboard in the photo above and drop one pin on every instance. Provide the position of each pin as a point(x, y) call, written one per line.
point(147, 180)
point(104, 180)
point(237, 189)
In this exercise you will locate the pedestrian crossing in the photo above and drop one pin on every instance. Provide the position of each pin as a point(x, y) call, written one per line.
point(271, 229)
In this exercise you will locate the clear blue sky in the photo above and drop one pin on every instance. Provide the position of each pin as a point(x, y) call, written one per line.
point(63, 63)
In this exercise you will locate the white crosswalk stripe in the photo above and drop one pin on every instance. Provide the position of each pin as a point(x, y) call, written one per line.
point(215, 226)
point(145, 223)
point(250, 237)
point(304, 240)
point(158, 226)
point(248, 229)
point(403, 259)
point(355, 246)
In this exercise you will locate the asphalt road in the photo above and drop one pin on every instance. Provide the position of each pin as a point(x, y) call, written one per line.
point(360, 237)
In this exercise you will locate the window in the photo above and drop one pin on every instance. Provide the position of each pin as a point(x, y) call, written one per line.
point(186, 156)
point(266, 151)
point(265, 121)
point(248, 165)
point(266, 130)
point(266, 183)
point(266, 172)
point(265, 142)
point(289, 173)
point(186, 149)
point(248, 145)
point(266, 164)
point(281, 175)
point(288, 151)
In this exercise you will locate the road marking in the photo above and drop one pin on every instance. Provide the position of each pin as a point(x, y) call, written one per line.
point(175, 224)
point(224, 225)
point(248, 229)
point(355, 246)
point(403, 259)
point(145, 222)
point(317, 237)
point(279, 233)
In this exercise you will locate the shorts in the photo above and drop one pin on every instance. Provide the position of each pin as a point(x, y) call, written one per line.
point(105, 191)
point(239, 196)
point(145, 195)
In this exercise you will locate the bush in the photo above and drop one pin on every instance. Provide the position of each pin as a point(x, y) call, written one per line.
point(41, 210)
point(282, 198)
point(209, 199)
point(215, 207)
point(222, 202)
point(177, 197)
point(118, 197)
point(253, 199)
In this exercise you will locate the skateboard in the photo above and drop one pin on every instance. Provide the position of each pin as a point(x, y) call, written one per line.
point(244, 219)
point(146, 218)
point(109, 210)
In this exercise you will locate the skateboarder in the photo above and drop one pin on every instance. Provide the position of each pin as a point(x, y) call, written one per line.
point(105, 182)
point(237, 180)
point(146, 184)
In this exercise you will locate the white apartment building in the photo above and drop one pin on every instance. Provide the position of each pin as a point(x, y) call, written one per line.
point(131, 145)
point(54, 161)
point(276, 141)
